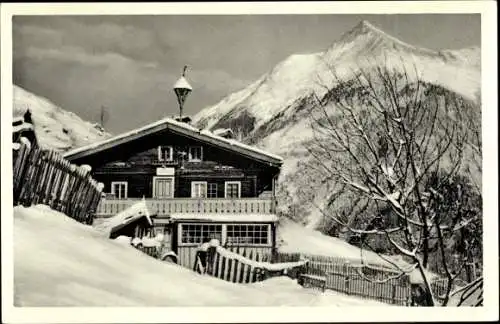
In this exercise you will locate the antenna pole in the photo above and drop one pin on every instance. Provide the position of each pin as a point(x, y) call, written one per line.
point(182, 102)
point(102, 116)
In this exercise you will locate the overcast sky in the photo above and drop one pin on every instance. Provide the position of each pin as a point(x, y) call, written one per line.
point(130, 63)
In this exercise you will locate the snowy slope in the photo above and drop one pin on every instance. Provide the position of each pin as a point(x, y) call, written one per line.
point(55, 128)
point(299, 75)
point(59, 262)
point(273, 112)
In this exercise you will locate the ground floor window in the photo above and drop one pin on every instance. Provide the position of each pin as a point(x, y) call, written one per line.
point(200, 233)
point(248, 234)
point(231, 234)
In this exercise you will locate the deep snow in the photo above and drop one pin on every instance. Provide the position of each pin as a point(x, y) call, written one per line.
point(59, 262)
point(313, 242)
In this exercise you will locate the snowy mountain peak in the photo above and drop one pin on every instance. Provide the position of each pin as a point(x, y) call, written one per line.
point(366, 39)
point(365, 26)
point(272, 112)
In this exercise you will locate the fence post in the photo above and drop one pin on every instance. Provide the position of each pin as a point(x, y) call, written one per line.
point(393, 297)
point(30, 170)
point(63, 184)
point(210, 260)
point(346, 273)
point(21, 166)
point(43, 169)
point(95, 197)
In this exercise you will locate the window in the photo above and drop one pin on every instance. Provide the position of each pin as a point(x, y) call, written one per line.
point(212, 190)
point(200, 233)
point(165, 153)
point(119, 189)
point(248, 234)
point(233, 189)
point(195, 154)
point(198, 189)
point(163, 187)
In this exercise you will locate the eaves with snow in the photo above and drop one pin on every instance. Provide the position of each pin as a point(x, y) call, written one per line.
point(204, 136)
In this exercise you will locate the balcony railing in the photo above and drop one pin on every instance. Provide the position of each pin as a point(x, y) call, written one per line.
point(110, 207)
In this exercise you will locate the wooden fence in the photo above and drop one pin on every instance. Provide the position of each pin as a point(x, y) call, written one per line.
point(440, 285)
point(151, 251)
point(353, 278)
point(343, 275)
point(368, 280)
point(240, 268)
point(361, 280)
point(45, 177)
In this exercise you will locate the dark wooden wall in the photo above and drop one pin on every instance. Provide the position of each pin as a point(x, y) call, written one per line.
point(136, 163)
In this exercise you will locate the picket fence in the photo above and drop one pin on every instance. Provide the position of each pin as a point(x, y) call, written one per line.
point(224, 264)
point(363, 280)
point(45, 177)
point(343, 275)
point(369, 280)
point(151, 251)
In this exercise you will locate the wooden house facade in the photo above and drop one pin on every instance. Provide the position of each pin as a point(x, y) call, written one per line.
point(197, 185)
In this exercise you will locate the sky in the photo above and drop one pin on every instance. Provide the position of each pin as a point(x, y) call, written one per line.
point(129, 64)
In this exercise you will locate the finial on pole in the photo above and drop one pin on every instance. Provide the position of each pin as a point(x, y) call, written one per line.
point(182, 88)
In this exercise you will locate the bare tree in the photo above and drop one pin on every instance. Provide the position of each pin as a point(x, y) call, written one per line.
point(380, 135)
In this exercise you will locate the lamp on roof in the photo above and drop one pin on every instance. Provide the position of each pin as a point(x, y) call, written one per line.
point(182, 88)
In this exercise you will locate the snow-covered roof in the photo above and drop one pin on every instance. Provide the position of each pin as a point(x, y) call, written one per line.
point(180, 128)
point(224, 217)
point(224, 132)
point(125, 217)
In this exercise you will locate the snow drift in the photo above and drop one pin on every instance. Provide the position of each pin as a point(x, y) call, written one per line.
point(60, 262)
point(55, 128)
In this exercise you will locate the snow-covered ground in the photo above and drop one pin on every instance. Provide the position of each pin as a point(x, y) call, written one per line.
point(55, 128)
point(59, 262)
point(297, 238)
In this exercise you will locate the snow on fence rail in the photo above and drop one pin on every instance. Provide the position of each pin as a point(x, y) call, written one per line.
point(368, 280)
point(354, 278)
point(240, 268)
point(45, 177)
point(359, 280)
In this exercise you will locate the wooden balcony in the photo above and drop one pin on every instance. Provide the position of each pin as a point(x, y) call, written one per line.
point(110, 207)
